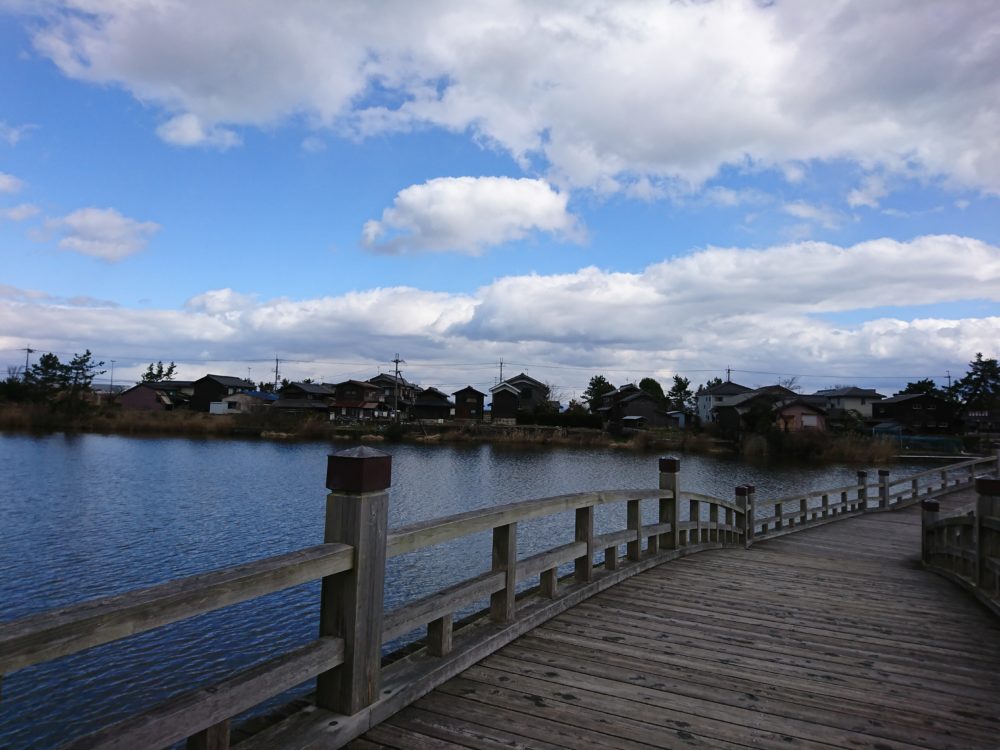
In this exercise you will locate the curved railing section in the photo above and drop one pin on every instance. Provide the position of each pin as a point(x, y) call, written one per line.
point(354, 689)
point(966, 547)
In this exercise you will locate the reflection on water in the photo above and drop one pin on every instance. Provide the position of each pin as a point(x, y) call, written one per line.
point(90, 515)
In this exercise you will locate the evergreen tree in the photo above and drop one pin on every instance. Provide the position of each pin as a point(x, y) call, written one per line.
point(925, 385)
point(154, 374)
point(597, 387)
point(47, 377)
point(981, 384)
point(679, 396)
point(653, 388)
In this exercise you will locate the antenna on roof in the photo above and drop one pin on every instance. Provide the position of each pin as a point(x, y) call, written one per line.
point(395, 405)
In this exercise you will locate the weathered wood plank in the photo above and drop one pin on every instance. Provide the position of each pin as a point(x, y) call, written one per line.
point(206, 707)
point(67, 630)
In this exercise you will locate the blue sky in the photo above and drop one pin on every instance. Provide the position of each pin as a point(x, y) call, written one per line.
point(637, 189)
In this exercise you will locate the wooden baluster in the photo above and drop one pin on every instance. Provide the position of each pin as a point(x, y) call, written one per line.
point(670, 473)
point(749, 523)
point(713, 523)
point(694, 517)
point(883, 488)
point(583, 568)
point(825, 506)
point(803, 510)
point(862, 501)
point(929, 510)
point(633, 550)
point(439, 633)
point(213, 738)
point(729, 536)
point(504, 561)
point(549, 582)
point(943, 474)
point(357, 513)
point(779, 522)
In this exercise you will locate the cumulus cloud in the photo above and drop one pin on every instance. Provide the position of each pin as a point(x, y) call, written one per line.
point(20, 212)
point(773, 309)
point(189, 130)
point(103, 233)
point(9, 183)
point(600, 93)
point(869, 193)
point(468, 215)
point(826, 217)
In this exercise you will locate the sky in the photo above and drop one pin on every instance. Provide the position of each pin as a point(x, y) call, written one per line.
point(635, 189)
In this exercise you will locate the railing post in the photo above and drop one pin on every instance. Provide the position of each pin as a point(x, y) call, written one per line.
point(504, 561)
point(670, 474)
point(743, 500)
point(883, 488)
point(583, 567)
point(929, 510)
point(633, 550)
point(862, 491)
point(987, 539)
point(357, 513)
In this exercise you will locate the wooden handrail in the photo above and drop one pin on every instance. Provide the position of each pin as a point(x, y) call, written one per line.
point(67, 630)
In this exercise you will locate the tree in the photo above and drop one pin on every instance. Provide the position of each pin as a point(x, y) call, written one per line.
point(711, 384)
point(653, 388)
point(597, 387)
point(47, 377)
point(680, 397)
point(154, 374)
point(981, 384)
point(791, 383)
point(926, 385)
point(80, 374)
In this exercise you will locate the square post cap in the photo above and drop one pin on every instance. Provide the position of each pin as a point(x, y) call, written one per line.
point(988, 486)
point(931, 506)
point(670, 465)
point(742, 490)
point(883, 472)
point(862, 475)
point(359, 470)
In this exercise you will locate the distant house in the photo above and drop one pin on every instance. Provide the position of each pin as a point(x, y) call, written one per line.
point(355, 400)
point(164, 395)
point(246, 402)
point(469, 404)
point(918, 414)
point(432, 404)
point(307, 391)
point(214, 388)
point(505, 403)
point(396, 393)
point(983, 417)
point(709, 399)
point(750, 411)
point(850, 398)
point(631, 405)
point(521, 393)
point(796, 415)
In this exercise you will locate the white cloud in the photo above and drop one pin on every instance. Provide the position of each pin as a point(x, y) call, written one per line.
point(20, 212)
point(188, 130)
point(822, 215)
point(11, 134)
point(103, 233)
point(313, 145)
point(468, 215)
point(9, 183)
point(602, 93)
point(871, 190)
point(772, 309)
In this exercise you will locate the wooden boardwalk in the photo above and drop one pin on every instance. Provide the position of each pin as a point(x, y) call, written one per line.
point(831, 637)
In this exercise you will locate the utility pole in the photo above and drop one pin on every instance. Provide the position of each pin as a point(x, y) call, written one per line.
point(395, 404)
point(275, 374)
point(729, 375)
point(949, 379)
point(111, 388)
point(501, 369)
point(28, 351)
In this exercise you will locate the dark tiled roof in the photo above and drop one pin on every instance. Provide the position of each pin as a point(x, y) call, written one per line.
point(468, 388)
point(316, 388)
point(229, 380)
point(849, 391)
point(724, 389)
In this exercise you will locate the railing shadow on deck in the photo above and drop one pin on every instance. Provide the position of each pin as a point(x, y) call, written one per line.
point(354, 690)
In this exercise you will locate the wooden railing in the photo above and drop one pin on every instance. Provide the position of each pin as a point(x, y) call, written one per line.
point(966, 548)
point(353, 689)
point(774, 517)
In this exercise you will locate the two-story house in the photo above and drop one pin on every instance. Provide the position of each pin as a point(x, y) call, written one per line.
point(709, 399)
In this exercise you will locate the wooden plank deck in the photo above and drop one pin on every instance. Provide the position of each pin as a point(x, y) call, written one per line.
point(832, 637)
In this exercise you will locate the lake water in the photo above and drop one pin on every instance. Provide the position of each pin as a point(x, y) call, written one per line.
point(85, 516)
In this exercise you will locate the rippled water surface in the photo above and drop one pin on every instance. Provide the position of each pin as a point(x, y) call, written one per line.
point(86, 516)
